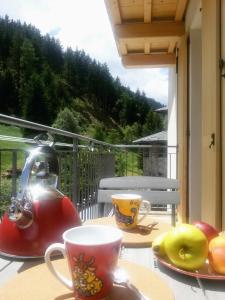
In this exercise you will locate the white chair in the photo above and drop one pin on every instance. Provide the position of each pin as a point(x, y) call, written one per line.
point(157, 190)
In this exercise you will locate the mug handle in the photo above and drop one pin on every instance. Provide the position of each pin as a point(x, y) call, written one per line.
point(61, 248)
point(147, 206)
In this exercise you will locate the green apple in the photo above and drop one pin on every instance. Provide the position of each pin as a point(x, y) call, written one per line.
point(186, 246)
point(158, 245)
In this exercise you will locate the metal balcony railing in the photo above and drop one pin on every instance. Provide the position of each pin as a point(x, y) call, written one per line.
point(83, 162)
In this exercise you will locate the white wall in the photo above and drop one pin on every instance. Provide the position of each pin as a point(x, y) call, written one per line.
point(172, 123)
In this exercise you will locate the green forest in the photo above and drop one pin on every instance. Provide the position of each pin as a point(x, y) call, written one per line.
point(67, 89)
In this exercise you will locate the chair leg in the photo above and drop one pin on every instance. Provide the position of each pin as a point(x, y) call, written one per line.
point(173, 215)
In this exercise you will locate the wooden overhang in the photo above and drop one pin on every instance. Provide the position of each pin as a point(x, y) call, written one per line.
point(147, 32)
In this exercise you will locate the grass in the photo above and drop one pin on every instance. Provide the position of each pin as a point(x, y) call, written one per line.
point(6, 154)
point(127, 163)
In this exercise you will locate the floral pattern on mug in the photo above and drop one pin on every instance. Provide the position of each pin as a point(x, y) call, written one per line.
point(84, 276)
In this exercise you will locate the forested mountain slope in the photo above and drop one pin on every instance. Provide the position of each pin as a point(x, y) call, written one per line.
point(41, 82)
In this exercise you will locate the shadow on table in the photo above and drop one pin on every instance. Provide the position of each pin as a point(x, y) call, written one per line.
point(67, 296)
point(143, 229)
point(118, 292)
point(208, 284)
point(34, 262)
point(30, 264)
point(27, 262)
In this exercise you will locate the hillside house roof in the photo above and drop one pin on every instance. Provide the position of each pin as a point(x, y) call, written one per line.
point(163, 109)
point(156, 138)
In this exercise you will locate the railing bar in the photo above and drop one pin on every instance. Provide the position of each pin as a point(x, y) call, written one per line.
point(31, 141)
point(60, 162)
point(14, 175)
point(0, 176)
point(91, 179)
point(78, 179)
point(82, 191)
point(91, 186)
point(88, 181)
point(86, 185)
point(69, 173)
point(79, 176)
point(64, 176)
point(74, 173)
point(36, 126)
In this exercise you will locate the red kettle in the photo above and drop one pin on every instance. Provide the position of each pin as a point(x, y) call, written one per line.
point(40, 213)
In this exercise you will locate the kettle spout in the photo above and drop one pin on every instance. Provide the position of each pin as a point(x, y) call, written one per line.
point(21, 214)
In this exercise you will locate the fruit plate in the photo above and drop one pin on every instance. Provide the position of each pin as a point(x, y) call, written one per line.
point(205, 272)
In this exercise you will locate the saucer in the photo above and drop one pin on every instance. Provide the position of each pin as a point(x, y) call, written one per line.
point(37, 283)
point(141, 236)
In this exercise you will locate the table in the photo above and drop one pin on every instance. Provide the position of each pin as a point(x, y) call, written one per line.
point(184, 287)
point(142, 236)
point(30, 284)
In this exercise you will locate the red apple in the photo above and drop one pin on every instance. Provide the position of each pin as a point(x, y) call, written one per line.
point(207, 229)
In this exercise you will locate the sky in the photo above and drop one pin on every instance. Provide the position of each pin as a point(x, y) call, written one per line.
point(85, 25)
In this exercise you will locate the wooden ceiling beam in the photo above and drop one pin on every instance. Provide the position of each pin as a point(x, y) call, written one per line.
point(172, 46)
point(157, 39)
point(146, 61)
point(147, 30)
point(181, 5)
point(147, 47)
point(147, 11)
point(113, 10)
point(123, 48)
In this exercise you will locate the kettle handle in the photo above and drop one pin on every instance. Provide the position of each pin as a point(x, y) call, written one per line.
point(61, 248)
point(20, 210)
point(53, 167)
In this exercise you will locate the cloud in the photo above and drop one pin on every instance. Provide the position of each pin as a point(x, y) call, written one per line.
point(84, 24)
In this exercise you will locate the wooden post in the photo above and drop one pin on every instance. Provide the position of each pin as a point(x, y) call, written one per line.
point(222, 71)
point(211, 114)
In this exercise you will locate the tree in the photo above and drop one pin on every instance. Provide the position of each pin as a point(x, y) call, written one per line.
point(36, 108)
point(8, 93)
point(131, 132)
point(99, 132)
point(28, 62)
point(153, 124)
point(66, 120)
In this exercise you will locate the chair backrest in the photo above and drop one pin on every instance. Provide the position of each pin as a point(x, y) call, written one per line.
point(157, 190)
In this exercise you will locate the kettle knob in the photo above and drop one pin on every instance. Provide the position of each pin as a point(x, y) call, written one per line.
point(21, 214)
